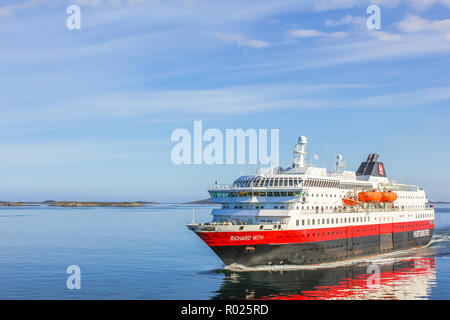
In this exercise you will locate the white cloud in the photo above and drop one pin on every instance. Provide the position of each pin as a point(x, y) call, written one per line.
point(73, 152)
point(308, 33)
point(222, 101)
point(348, 19)
point(425, 4)
point(385, 36)
point(326, 5)
point(371, 46)
point(422, 97)
point(414, 24)
point(242, 41)
point(9, 10)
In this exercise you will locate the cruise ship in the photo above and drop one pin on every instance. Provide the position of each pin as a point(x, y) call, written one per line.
point(307, 215)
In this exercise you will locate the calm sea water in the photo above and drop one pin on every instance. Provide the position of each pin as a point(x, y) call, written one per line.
point(148, 253)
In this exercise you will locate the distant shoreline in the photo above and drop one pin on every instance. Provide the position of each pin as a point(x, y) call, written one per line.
point(65, 203)
point(19, 204)
point(52, 203)
point(204, 201)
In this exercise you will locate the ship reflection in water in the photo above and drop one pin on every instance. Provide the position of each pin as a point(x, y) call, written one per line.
point(406, 278)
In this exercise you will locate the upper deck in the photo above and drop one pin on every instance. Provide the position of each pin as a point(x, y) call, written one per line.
point(313, 187)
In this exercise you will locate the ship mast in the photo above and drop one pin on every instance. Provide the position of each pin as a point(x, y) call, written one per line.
point(299, 153)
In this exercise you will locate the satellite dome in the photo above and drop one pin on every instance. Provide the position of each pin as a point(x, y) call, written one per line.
point(302, 139)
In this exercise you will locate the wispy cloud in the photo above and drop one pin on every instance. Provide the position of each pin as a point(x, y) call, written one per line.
point(385, 36)
point(11, 9)
point(242, 41)
point(425, 4)
point(225, 101)
point(73, 152)
point(309, 33)
point(347, 20)
point(414, 23)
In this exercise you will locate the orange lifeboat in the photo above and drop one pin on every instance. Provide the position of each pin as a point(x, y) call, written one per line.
point(350, 201)
point(388, 197)
point(370, 196)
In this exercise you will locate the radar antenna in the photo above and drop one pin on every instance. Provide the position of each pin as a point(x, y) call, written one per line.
point(340, 165)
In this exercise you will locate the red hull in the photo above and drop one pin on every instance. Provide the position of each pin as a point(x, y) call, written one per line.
point(309, 235)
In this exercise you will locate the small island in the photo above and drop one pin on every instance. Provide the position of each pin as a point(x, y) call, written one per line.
point(17, 204)
point(53, 203)
point(97, 204)
point(204, 201)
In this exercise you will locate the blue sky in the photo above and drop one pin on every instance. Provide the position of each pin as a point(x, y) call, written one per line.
point(88, 114)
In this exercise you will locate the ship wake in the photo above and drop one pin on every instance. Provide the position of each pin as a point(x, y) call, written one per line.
point(381, 259)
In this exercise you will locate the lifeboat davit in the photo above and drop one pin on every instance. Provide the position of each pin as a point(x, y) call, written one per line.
point(350, 201)
point(370, 196)
point(388, 197)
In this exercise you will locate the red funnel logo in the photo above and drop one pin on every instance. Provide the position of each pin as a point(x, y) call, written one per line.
point(380, 169)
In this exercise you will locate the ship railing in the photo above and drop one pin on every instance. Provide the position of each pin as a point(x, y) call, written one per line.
point(233, 187)
point(364, 210)
point(241, 223)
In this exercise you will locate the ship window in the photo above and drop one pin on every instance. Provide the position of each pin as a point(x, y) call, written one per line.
point(303, 222)
point(297, 223)
point(261, 182)
point(307, 222)
point(276, 194)
point(313, 220)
